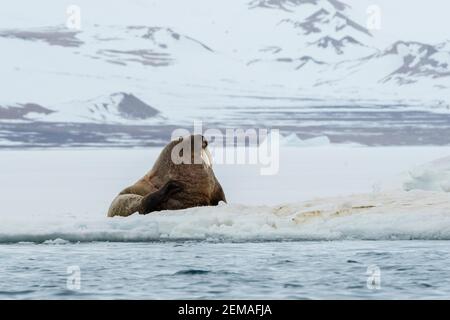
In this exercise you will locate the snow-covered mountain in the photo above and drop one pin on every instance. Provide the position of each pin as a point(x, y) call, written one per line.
point(291, 5)
point(419, 61)
point(154, 66)
point(117, 108)
point(320, 29)
point(341, 49)
point(25, 111)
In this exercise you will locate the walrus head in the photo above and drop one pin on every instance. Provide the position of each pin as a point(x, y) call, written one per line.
point(192, 149)
point(182, 153)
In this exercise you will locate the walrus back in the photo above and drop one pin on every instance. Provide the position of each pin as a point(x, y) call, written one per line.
point(125, 205)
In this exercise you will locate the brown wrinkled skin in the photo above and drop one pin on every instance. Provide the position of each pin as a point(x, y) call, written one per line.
point(199, 185)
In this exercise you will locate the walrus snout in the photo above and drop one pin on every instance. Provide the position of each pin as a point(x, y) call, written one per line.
point(196, 139)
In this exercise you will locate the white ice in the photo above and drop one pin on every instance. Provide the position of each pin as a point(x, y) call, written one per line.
point(322, 192)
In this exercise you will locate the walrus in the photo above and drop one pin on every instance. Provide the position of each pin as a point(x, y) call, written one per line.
point(182, 177)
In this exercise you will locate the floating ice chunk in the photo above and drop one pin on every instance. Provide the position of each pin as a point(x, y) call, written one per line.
point(57, 241)
point(432, 176)
point(292, 140)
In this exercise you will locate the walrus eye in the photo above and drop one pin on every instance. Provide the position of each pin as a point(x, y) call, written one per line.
point(204, 142)
point(180, 138)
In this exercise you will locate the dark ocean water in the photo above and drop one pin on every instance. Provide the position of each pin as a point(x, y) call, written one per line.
point(216, 270)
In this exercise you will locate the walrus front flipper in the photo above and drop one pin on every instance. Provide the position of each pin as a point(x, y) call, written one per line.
point(155, 201)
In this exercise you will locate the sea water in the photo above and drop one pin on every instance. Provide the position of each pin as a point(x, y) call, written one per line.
point(226, 270)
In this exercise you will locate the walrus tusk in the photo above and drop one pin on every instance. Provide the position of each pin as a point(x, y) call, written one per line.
point(206, 156)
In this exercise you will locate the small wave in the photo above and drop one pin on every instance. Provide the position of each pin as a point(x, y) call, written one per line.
point(15, 292)
point(398, 215)
point(352, 261)
point(191, 272)
point(292, 285)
